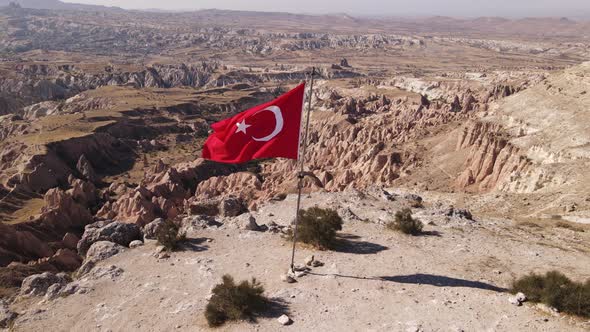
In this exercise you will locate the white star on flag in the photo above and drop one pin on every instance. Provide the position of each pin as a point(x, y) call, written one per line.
point(242, 126)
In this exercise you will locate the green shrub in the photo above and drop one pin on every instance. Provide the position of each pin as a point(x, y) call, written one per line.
point(235, 302)
point(405, 223)
point(556, 290)
point(169, 235)
point(318, 227)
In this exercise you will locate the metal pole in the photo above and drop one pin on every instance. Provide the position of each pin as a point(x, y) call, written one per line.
point(300, 176)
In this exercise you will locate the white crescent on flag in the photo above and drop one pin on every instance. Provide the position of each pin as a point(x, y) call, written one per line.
point(278, 126)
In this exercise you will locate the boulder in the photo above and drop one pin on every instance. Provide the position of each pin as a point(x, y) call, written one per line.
point(284, 320)
point(459, 213)
point(102, 250)
point(209, 207)
point(70, 241)
point(72, 288)
point(248, 222)
point(116, 232)
point(38, 284)
point(54, 291)
point(135, 244)
point(66, 260)
point(99, 251)
point(151, 230)
point(232, 207)
point(111, 272)
point(192, 224)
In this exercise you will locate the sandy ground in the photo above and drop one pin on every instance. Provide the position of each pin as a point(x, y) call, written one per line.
point(451, 279)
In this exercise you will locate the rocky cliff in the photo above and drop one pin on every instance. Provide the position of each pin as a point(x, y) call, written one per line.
point(534, 141)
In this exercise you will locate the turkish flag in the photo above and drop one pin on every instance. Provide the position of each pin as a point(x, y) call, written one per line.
point(269, 130)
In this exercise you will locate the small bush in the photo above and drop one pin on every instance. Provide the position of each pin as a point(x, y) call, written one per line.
point(169, 235)
point(235, 302)
point(318, 227)
point(405, 223)
point(556, 290)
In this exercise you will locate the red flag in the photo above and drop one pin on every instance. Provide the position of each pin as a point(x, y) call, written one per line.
point(269, 130)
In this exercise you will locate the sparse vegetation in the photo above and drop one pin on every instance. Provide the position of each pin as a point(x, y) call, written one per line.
point(405, 223)
point(169, 235)
point(231, 301)
point(556, 290)
point(318, 227)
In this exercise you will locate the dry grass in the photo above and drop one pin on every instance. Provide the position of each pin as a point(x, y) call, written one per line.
point(231, 301)
point(405, 223)
point(556, 290)
point(31, 208)
point(169, 235)
point(318, 227)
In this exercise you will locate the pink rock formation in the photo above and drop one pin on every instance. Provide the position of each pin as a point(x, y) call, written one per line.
point(491, 158)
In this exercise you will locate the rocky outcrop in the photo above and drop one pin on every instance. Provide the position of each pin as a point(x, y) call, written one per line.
point(63, 260)
point(150, 231)
point(83, 192)
point(492, 159)
point(85, 168)
point(63, 212)
point(102, 250)
point(163, 192)
point(242, 184)
point(229, 206)
point(116, 232)
point(38, 284)
point(99, 251)
point(18, 245)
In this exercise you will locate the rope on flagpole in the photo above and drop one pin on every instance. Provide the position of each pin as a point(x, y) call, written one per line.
point(301, 175)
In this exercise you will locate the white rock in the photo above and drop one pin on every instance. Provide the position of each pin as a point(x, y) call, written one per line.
point(521, 297)
point(287, 278)
point(284, 320)
point(514, 300)
point(135, 244)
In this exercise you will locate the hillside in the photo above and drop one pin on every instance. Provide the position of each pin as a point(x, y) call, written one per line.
point(56, 5)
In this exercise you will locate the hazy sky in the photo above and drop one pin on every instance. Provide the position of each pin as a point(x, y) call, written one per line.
point(512, 8)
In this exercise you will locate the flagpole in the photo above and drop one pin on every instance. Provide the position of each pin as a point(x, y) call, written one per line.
point(301, 176)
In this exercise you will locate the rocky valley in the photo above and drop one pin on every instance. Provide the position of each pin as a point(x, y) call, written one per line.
point(480, 126)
